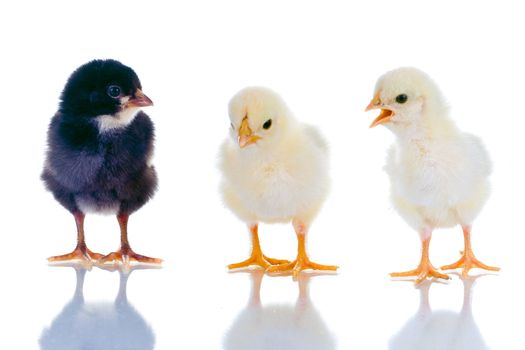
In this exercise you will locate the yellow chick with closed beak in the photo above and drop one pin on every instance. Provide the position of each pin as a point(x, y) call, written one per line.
point(274, 170)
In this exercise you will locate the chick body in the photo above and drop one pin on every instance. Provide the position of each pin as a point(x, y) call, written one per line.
point(100, 146)
point(280, 183)
point(439, 181)
point(439, 176)
point(96, 172)
point(275, 170)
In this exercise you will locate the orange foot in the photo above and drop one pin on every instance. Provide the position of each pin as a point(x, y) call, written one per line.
point(423, 271)
point(467, 262)
point(298, 265)
point(257, 259)
point(125, 255)
point(81, 253)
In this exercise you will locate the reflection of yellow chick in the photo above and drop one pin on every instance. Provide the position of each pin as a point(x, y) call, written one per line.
point(443, 329)
point(275, 170)
point(279, 326)
point(438, 174)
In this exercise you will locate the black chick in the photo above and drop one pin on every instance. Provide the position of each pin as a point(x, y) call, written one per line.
point(99, 148)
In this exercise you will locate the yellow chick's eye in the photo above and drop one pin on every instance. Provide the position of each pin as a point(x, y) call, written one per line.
point(401, 98)
point(267, 124)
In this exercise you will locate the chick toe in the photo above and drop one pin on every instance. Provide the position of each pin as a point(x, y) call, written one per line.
point(468, 260)
point(422, 272)
point(258, 260)
point(125, 256)
point(81, 253)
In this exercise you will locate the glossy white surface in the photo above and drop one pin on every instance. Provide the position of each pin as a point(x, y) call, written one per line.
point(324, 60)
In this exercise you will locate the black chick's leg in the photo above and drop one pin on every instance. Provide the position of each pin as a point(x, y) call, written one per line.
point(125, 254)
point(81, 252)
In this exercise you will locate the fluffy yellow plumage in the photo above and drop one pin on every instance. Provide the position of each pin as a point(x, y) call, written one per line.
point(438, 174)
point(275, 169)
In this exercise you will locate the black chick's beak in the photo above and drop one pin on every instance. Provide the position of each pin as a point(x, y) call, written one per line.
point(139, 100)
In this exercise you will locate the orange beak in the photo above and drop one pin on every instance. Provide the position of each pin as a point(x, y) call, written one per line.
point(139, 100)
point(246, 137)
point(385, 115)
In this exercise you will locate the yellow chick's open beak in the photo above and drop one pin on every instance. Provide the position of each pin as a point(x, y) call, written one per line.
point(385, 115)
point(246, 137)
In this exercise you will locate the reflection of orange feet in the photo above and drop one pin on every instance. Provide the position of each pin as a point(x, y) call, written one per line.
point(467, 262)
point(301, 263)
point(257, 259)
point(125, 255)
point(422, 272)
point(81, 253)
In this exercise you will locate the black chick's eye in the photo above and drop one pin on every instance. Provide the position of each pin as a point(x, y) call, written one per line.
point(402, 98)
point(267, 124)
point(114, 91)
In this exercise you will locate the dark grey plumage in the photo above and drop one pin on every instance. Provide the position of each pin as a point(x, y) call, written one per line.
point(100, 144)
point(103, 169)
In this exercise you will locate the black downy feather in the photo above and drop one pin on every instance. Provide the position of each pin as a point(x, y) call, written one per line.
point(104, 169)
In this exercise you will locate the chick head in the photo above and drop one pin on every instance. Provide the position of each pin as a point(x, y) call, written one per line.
point(102, 87)
point(403, 95)
point(258, 116)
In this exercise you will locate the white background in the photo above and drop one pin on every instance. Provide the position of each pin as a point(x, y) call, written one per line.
point(324, 58)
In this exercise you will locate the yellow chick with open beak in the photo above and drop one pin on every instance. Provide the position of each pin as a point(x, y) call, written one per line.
point(438, 174)
point(274, 170)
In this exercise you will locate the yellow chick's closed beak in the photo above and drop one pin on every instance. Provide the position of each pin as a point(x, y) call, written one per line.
point(246, 137)
point(385, 115)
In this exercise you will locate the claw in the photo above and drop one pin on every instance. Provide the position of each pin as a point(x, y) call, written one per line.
point(468, 260)
point(81, 253)
point(300, 264)
point(257, 259)
point(425, 269)
point(126, 256)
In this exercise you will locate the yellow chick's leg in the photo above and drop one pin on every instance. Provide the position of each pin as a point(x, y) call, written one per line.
point(425, 268)
point(125, 254)
point(302, 262)
point(81, 252)
point(468, 260)
point(257, 257)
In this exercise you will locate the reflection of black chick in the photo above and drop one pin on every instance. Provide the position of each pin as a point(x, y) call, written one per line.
point(279, 326)
point(100, 145)
point(81, 325)
point(441, 329)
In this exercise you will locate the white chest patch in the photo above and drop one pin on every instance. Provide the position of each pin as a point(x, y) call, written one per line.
point(87, 205)
point(117, 121)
